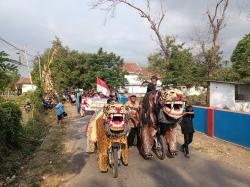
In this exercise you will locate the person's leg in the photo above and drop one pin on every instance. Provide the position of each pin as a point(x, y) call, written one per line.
point(185, 145)
point(191, 137)
point(79, 108)
point(82, 112)
point(189, 140)
point(131, 137)
point(58, 120)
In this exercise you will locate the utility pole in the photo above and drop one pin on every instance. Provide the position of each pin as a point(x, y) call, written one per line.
point(27, 63)
point(39, 64)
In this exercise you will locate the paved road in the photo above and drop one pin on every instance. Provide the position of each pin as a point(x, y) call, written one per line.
point(199, 170)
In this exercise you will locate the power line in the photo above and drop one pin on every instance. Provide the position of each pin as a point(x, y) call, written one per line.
point(12, 45)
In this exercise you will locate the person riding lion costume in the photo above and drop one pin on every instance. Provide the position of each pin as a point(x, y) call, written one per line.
point(161, 110)
point(107, 126)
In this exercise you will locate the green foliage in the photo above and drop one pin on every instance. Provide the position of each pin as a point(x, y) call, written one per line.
point(35, 130)
point(207, 70)
point(226, 74)
point(185, 69)
point(181, 68)
point(72, 69)
point(241, 58)
point(10, 124)
point(8, 71)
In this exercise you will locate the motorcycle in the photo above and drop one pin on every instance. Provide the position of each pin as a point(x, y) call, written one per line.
point(159, 146)
point(112, 145)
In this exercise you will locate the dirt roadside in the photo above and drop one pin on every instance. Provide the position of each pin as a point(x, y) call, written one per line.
point(62, 155)
point(217, 149)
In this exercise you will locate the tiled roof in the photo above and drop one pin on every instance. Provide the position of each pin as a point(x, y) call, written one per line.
point(24, 80)
point(132, 68)
point(147, 73)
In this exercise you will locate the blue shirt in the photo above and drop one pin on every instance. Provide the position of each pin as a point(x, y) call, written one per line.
point(78, 98)
point(59, 109)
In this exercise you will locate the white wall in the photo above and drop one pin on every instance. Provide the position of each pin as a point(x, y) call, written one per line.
point(242, 106)
point(28, 87)
point(133, 79)
point(134, 85)
point(222, 95)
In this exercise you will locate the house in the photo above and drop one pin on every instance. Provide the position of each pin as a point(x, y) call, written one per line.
point(135, 77)
point(25, 84)
point(229, 95)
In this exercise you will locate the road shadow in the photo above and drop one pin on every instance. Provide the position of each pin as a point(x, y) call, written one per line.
point(182, 173)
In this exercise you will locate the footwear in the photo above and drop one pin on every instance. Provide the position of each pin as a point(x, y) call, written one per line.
point(182, 148)
point(185, 151)
point(187, 156)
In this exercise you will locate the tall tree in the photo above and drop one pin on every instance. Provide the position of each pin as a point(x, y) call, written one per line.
point(72, 69)
point(216, 22)
point(146, 12)
point(182, 67)
point(241, 58)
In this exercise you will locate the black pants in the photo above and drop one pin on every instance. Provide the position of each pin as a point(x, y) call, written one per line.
point(188, 138)
point(132, 135)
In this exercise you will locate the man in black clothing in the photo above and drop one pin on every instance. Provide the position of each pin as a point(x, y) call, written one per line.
point(152, 85)
point(187, 129)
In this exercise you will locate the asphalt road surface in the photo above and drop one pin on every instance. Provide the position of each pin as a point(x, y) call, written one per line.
point(198, 170)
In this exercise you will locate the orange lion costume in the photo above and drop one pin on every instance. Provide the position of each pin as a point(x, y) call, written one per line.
point(110, 126)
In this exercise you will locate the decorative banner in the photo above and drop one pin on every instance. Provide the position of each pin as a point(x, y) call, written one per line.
point(94, 104)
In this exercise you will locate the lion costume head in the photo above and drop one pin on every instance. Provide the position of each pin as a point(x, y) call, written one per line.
point(116, 119)
point(172, 102)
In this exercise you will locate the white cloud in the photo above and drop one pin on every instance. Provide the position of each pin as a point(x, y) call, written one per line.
point(35, 23)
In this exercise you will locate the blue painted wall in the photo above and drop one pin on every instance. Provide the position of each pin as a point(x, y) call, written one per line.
point(200, 119)
point(232, 126)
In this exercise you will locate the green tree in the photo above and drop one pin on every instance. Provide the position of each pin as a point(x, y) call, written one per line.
point(181, 67)
point(71, 68)
point(241, 59)
point(8, 71)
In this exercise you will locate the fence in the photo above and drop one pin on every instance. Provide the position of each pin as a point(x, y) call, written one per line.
point(200, 120)
point(226, 125)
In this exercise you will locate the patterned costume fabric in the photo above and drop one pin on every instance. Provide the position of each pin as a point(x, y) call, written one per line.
point(111, 127)
point(161, 111)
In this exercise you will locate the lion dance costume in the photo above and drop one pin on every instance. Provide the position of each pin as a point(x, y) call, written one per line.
point(161, 110)
point(107, 126)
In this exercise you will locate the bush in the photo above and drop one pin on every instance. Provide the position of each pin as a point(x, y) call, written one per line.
point(10, 124)
point(35, 129)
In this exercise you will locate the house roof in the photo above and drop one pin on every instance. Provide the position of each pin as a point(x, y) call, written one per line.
point(132, 68)
point(24, 80)
point(148, 73)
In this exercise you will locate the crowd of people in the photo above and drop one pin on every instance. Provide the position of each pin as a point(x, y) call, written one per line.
point(79, 99)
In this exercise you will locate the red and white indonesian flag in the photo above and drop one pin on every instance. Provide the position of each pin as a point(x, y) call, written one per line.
point(102, 87)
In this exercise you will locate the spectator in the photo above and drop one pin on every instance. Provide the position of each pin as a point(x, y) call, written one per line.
point(72, 98)
point(152, 85)
point(96, 95)
point(83, 105)
point(78, 101)
point(187, 129)
point(60, 112)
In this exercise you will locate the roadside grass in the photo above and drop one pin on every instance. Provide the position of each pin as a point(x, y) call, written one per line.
point(35, 128)
point(49, 159)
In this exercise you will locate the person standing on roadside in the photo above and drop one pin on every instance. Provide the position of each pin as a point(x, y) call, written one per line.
point(78, 101)
point(60, 112)
point(152, 84)
point(72, 98)
point(187, 129)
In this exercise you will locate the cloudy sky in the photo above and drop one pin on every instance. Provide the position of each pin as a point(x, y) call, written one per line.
point(34, 24)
